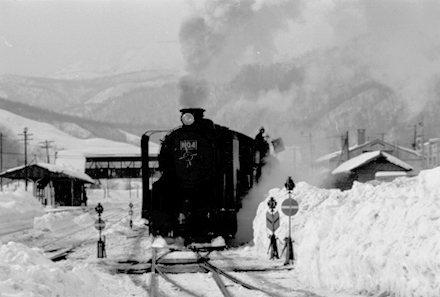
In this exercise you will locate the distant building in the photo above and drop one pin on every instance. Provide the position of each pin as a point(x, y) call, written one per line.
point(432, 153)
point(53, 184)
point(369, 166)
point(407, 155)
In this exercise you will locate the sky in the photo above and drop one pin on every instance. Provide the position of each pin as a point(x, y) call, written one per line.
point(211, 39)
point(398, 43)
point(39, 37)
point(377, 239)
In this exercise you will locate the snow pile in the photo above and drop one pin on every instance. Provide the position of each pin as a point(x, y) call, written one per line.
point(18, 210)
point(27, 270)
point(53, 221)
point(218, 241)
point(84, 220)
point(159, 242)
point(372, 239)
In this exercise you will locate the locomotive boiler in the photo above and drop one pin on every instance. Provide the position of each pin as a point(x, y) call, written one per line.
point(206, 171)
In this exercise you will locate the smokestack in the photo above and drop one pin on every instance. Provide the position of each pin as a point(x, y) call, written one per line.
point(198, 113)
point(361, 136)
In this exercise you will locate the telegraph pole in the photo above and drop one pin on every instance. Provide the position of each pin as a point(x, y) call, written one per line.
point(26, 135)
point(46, 145)
point(414, 144)
point(1, 161)
point(423, 143)
point(311, 148)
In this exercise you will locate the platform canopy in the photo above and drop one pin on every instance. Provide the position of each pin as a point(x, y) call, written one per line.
point(39, 171)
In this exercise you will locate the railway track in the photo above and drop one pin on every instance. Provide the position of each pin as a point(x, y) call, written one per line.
point(159, 266)
point(158, 272)
point(201, 263)
point(56, 252)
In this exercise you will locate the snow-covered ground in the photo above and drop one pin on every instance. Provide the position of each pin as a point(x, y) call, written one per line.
point(375, 240)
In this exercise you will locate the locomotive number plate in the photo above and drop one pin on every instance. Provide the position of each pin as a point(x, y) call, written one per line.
point(188, 145)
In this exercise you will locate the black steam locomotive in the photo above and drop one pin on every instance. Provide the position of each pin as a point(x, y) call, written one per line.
point(206, 170)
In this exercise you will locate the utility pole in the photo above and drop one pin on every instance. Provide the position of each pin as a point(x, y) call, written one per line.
point(26, 138)
point(423, 143)
point(1, 161)
point(46, 145)
point(311, 148)
point(414, 144)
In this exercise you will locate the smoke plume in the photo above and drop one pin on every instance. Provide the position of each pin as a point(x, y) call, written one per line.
point(385, 51)
point(222, 35)
point(193, 91)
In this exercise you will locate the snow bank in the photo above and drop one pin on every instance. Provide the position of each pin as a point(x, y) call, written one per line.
point(53, 221)
point(84, 220)
point(18, 210)
point(27, 272)
point(371, 239)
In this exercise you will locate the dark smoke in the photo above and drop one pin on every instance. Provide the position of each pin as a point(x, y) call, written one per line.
point(199, 44)
point(193, 91)
point(223, 35)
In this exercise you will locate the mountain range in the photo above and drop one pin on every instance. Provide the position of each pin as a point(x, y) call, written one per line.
point(309, 101)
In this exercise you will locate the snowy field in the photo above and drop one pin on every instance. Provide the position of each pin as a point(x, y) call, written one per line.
point(374, 240)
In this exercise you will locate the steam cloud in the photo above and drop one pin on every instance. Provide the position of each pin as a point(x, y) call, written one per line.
point(336, 44)
point(224, 34)
point(395, 43)
point(193, 91)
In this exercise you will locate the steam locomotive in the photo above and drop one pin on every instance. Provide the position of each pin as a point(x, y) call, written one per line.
point(206, 171)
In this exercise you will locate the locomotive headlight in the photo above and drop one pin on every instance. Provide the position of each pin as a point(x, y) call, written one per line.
point(187, 119)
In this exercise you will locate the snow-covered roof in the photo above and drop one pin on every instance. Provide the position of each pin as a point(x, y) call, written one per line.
point(17, 172)
point(367, 157)
point(70, 172)
point(356, 146)
point(328, 156)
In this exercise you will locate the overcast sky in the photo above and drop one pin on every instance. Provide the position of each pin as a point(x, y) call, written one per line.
point(39, 37)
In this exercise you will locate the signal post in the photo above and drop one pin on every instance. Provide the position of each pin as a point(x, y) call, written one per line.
point(289, 207)
point(273, 223)
point(100, 225)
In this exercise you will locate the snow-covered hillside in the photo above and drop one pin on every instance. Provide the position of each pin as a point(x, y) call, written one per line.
point(38, 133)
